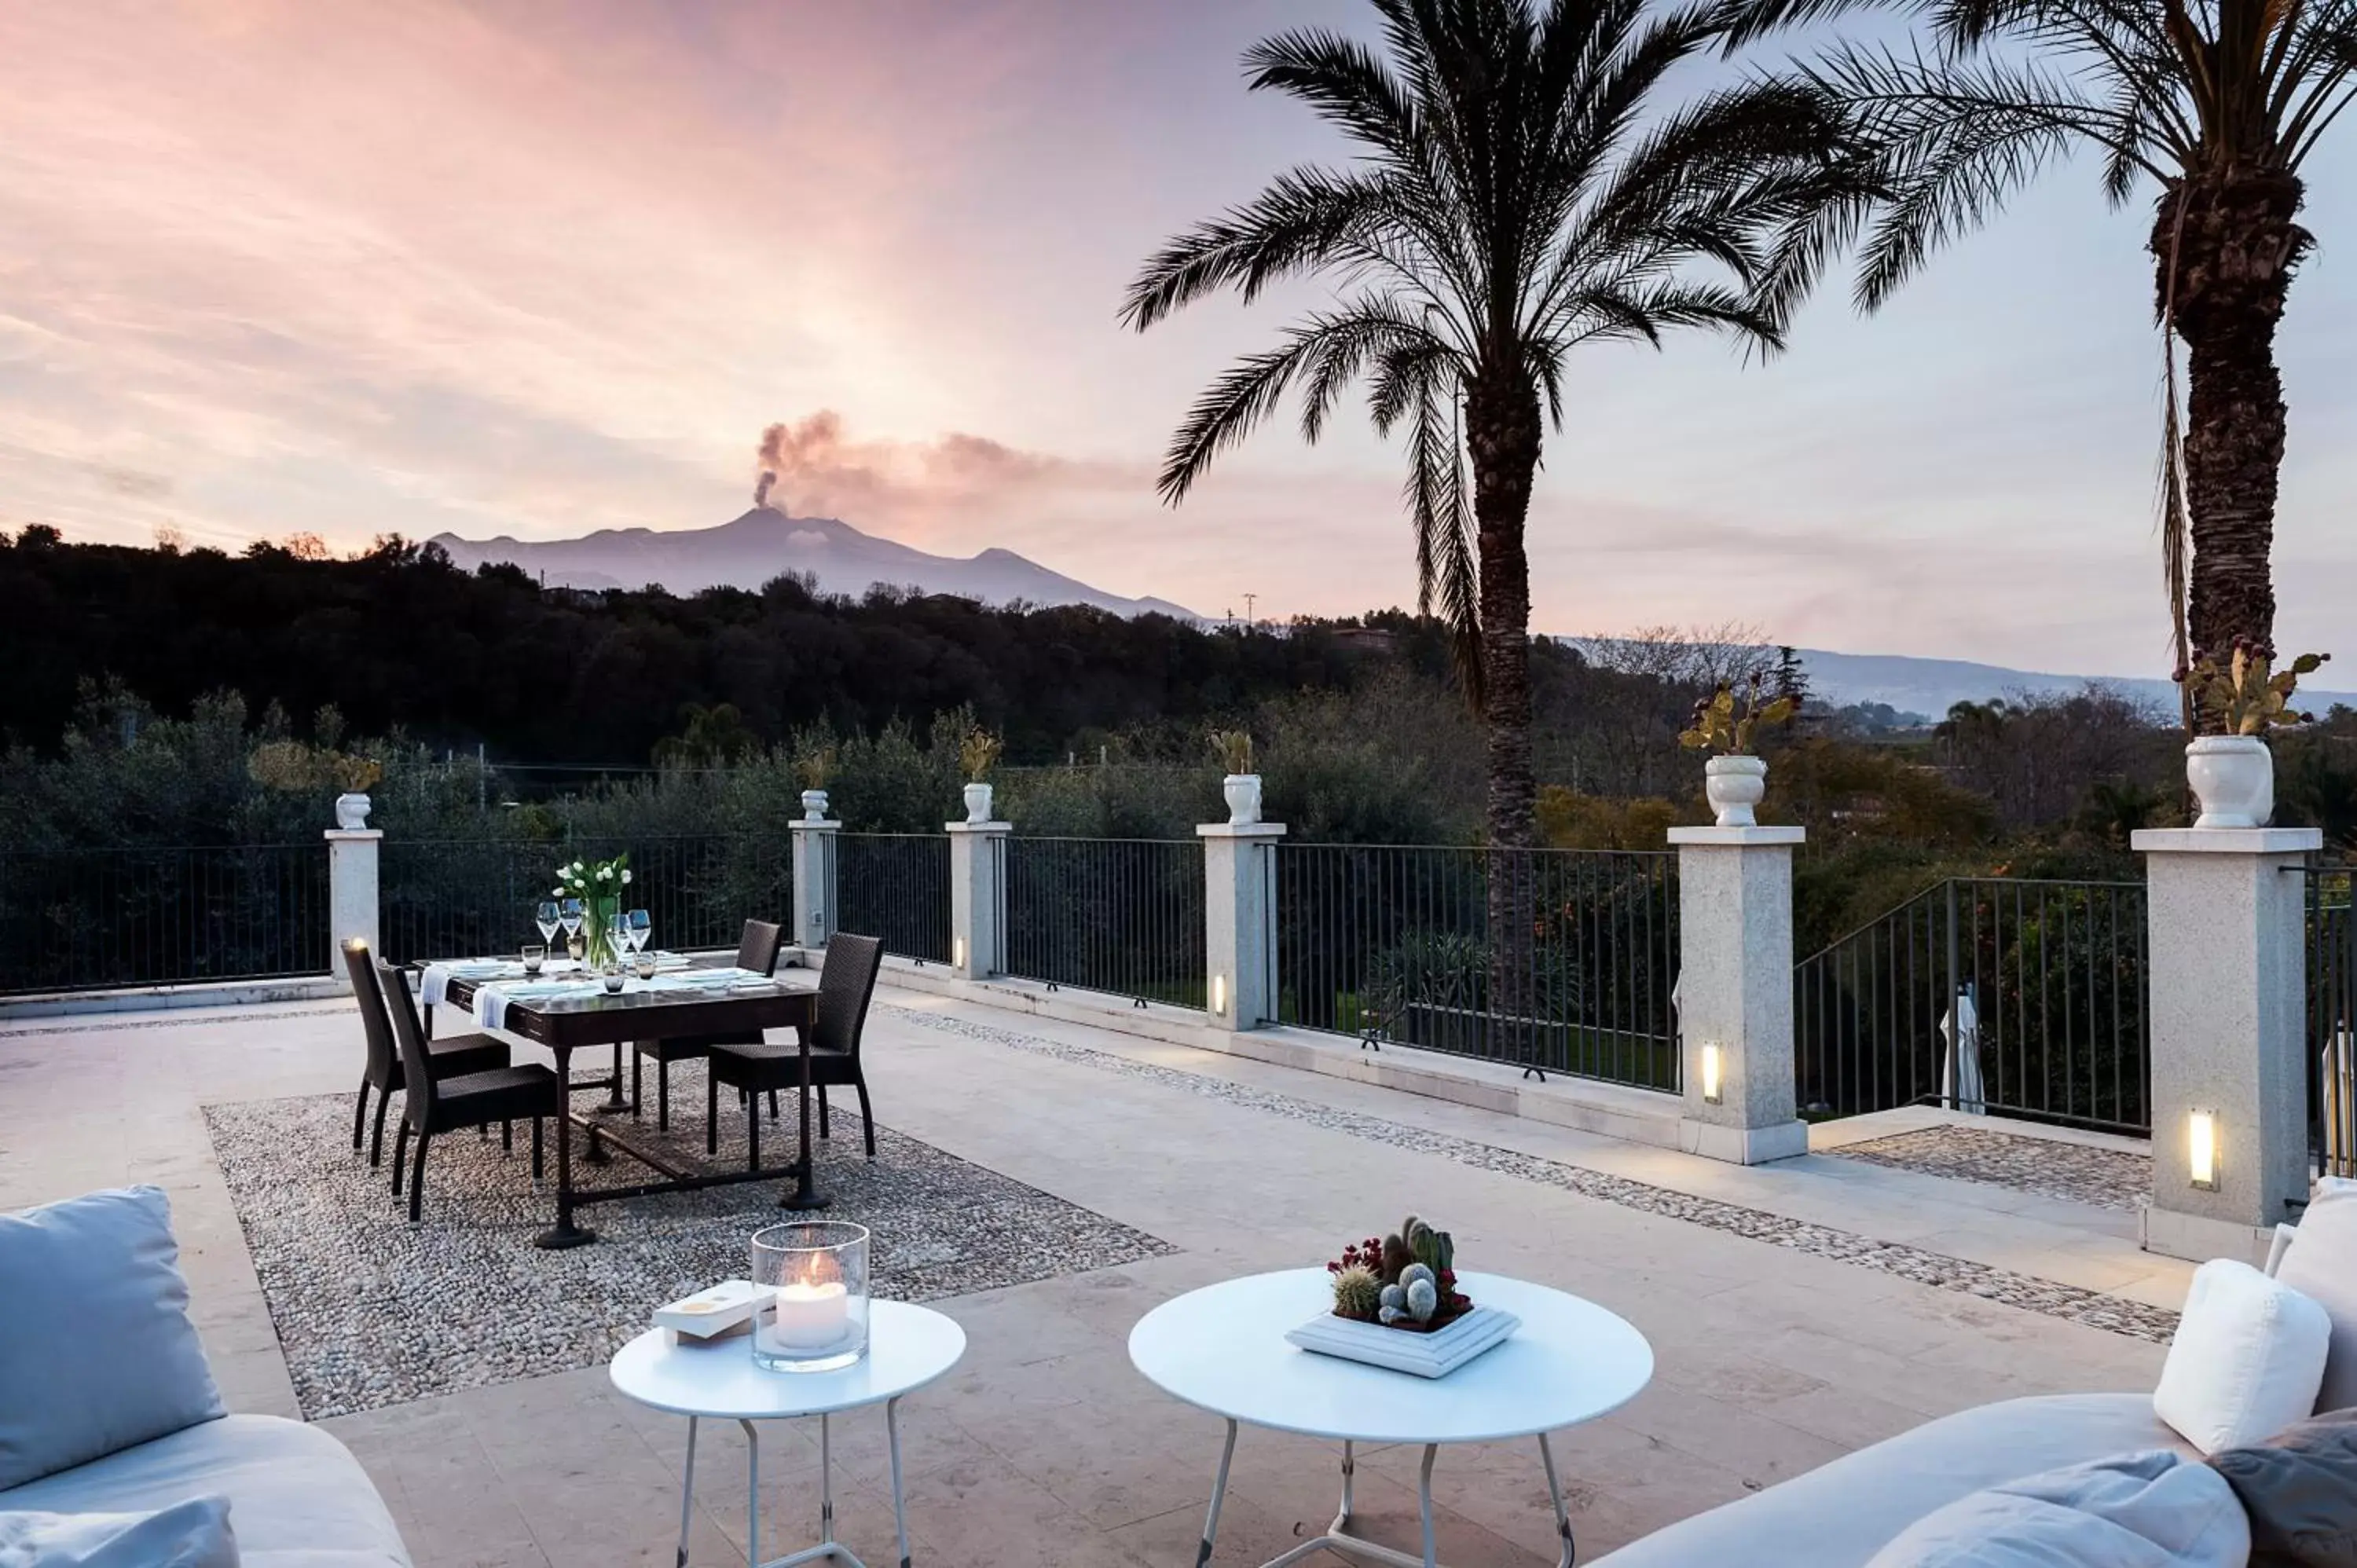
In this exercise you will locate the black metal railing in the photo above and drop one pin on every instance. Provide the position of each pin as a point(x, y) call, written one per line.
point(2015, 995)
point(89, 919)
point(1124, 916)
point(895, 887)
point(2331, 1035)
point(1396, 943)
point(446, 898)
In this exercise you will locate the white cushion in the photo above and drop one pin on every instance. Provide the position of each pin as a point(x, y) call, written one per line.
point(2247, 1358)
point(2153, 1510)
point(2321, 1264)
point(191, 1534)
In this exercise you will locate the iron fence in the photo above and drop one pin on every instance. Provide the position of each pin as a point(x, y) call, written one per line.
point(2019, 996)
point(1124, 916)
point(89, 919)
point(1396, 943)
point(895, 887)
point(2332, 1055)
point(443, 897)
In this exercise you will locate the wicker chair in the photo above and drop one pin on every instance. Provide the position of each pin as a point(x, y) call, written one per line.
point(845, 985)
point(436, 1105)
point(756, 950)
point(384, 1073)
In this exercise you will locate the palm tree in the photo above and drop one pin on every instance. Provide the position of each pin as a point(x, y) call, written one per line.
point(2218, 103)
point(1509, 204)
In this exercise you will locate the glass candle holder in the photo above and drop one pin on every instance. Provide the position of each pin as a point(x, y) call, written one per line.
point(816, 1318)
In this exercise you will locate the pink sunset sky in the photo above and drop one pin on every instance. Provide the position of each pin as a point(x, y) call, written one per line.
point(544, 266)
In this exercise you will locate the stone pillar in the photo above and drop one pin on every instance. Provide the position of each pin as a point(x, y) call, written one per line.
point(978, 899)
point(811, 923)
point(1240, 922)
point(1735, 993)
point(2227, 983)
point(351, 894)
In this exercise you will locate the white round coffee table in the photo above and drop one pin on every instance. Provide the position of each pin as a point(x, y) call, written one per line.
point(908, 1346)
point(1222, 1348)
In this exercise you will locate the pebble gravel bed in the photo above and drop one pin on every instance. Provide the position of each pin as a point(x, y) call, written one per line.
point(2073, 1303)
point(373, 1311)
point(2051, 1168)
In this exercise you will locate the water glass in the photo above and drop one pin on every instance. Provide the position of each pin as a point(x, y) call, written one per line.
point(642, 965)
point(816, 1318)
point(534, 955)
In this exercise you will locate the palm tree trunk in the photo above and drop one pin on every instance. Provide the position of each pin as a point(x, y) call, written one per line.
point(1503, 435)
point(2235, 246)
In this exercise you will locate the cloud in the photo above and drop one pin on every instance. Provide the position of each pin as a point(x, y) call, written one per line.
point(950, 488)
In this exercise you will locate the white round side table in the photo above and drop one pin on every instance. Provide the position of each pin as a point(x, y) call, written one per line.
point(908, 1346)
point(1222, 1348)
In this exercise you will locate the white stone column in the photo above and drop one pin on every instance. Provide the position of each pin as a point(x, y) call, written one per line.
point(978, 899)
point(2226, 972)
point(1240, 922)
point(1735, 993)
point(351, 894)
point(812, 923)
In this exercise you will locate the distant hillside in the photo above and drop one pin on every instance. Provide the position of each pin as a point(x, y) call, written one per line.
point(765, 543)
point(1933, 686)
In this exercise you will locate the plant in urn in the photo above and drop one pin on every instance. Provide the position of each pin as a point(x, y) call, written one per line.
point(1733, 780)
point(2233, 705)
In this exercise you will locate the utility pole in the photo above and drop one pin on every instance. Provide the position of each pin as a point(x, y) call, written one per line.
point(1249, 599)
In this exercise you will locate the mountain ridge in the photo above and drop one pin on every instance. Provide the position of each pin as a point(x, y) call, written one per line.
point(763, 544)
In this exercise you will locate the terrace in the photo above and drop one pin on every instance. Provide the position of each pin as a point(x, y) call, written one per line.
point(1076, 1130)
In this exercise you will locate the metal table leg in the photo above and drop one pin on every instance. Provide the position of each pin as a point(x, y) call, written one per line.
point(1423, 1502)
point(1555, 1493)
point(899, 1506)
point(564, 1233)
point(1219, 1491)
point(752, 1494)
point(687, 1493)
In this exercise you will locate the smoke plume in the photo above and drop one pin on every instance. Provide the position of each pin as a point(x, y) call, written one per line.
point(771, 459)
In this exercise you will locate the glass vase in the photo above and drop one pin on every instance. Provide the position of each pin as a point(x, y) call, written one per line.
point(816, 1318)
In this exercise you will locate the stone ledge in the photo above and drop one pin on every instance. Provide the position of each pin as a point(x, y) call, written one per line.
point(1240, 830)
point(2226, 841)
point(1738, 838)
point(2198, 1238)
point(1743, 1145)
point(978, 827)
point(162, 998)
point(1586, 1105)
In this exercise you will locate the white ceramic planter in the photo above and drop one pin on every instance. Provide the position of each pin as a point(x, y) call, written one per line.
point(1734, 785)
point(352, 811)
point(2233, 777)
point(1242, 790)
point(813, 805)
point(977, 802)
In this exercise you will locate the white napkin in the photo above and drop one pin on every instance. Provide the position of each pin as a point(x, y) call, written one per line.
point(491, 1001)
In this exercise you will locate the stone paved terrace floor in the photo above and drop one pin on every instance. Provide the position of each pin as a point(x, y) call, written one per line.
point(1796, 1311)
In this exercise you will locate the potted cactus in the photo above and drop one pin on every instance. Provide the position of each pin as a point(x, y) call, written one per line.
point(1406, 1280)
point(2235, 702)
point(977, 755)
point(1733, 780)
point(1242, 785)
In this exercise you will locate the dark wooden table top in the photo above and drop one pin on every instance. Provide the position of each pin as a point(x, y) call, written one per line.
point(602, 1020)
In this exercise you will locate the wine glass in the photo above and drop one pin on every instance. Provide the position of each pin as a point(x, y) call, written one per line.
point(641, 927)
point(545, 917)
point(569, 916)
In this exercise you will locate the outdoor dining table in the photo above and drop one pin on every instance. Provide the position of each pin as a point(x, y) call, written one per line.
point(570, 1022)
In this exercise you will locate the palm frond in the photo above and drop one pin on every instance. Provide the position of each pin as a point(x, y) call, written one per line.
point(1304, 219)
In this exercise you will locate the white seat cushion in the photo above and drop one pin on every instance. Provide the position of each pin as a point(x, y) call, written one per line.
point(2153, 1510)
point(2247, 1358)
point(2321, 1264)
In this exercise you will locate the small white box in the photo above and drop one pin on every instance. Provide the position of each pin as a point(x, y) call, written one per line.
point(730, 1305)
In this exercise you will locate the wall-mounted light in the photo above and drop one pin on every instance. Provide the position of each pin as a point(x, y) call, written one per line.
point(957, 952)
point(1713, 1065)
point(1220, 996)
point(2202, 1148)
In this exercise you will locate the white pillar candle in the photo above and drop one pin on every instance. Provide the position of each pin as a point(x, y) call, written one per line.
point(811, 1317)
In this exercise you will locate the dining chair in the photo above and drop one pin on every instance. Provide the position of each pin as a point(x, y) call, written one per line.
point(846, 984)
point(757, 950)
point(385, 1071)
point(436, 1105)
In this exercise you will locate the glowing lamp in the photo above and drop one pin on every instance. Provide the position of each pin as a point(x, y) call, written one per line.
point(2202, 1148)
point(1713, 1067)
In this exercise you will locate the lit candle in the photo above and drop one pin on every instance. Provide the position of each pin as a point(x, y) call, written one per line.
point(812, 1315)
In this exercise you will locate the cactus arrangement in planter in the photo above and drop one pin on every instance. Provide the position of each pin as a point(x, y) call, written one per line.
point(1406, 1280)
